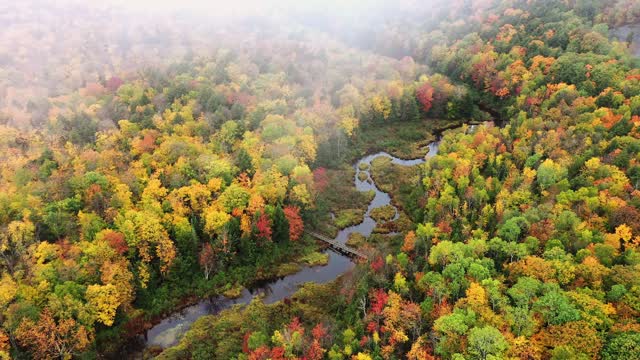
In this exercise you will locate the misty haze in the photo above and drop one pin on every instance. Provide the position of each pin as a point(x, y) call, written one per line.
point(341, 180)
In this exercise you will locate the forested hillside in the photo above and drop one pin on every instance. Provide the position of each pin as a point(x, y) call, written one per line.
point(187, 164)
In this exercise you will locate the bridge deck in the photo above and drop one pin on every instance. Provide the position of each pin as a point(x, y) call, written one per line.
point(338, 246)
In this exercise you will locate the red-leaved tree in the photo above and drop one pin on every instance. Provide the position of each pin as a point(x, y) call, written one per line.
point(320, 179)
point(296, 226)
point(379, 299)
point(263, 227)
point(116, 241)
point(425, 96)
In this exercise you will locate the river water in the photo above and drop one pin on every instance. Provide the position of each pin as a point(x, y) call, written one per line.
point(171, 329)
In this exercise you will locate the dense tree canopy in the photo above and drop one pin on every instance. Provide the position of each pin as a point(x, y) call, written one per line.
point(126, 194)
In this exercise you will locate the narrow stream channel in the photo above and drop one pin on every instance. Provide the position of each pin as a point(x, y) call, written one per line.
point(171, 329)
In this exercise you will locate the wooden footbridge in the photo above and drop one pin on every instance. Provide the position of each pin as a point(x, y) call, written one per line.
point(341, 248)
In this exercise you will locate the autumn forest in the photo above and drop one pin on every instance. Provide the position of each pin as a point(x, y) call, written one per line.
point(343, 180)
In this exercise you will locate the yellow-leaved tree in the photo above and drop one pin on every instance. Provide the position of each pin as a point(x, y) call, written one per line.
point(104, 300)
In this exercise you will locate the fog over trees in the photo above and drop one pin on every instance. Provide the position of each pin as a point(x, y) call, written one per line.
point(320, 179)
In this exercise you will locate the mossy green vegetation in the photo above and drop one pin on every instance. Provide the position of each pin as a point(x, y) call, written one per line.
point(315, 259)
point(342, 199)
point(404, 223)
point(356, 240)
point(287, 269)
point(383, 214)
point(404, 140)
point(402, 183)
point(233, 292)
point(348, 217)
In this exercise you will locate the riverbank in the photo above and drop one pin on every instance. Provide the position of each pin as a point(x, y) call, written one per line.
point(224, 334)
point(170, 329)
point(132, 336)
point(341, 205)
point(373, 219)
point(405, 141)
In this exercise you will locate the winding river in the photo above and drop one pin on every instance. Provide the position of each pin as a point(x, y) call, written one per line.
point(171, 329)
